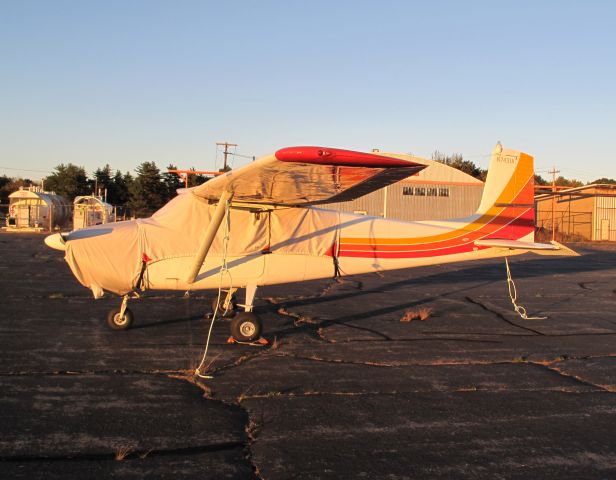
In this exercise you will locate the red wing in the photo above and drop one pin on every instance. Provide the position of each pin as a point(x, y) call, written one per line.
point(300, 176)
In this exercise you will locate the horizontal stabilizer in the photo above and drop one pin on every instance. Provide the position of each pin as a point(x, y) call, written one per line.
point(515, 244)
point(563, 251)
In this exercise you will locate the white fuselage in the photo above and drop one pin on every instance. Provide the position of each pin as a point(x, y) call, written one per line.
point(319, 259)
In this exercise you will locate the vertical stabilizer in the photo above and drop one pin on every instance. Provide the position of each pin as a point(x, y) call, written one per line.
point(508, 195)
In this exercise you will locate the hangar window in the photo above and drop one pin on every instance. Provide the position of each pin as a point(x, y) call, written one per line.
point(443, 192)
point(407, 190)
point(432, 191)
point(420, 191)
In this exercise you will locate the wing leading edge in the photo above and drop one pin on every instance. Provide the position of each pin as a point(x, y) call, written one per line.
point(301, 176)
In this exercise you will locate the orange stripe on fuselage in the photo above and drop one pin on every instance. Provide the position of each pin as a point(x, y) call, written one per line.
point(483, 226)
point(506, 231)
point(519, 219)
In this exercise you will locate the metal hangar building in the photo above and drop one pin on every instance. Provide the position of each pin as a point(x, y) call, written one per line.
point(580, 213)
point(438, 192)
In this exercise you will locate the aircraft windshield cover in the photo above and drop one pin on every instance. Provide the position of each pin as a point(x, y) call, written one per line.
point(300, 176)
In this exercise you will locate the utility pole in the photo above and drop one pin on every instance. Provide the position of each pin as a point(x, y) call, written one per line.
point(553, 172)
point(226, 151)
point(183, 174)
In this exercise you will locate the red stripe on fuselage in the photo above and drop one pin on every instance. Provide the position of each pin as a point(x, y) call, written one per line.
point(517, 228)
point(489, 228)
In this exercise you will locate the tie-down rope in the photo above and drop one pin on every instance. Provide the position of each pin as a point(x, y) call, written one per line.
point(224, 269)
point(513, 295)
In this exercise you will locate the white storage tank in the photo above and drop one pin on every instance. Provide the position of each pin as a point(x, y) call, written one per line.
point(33, 209)
point(91, 210)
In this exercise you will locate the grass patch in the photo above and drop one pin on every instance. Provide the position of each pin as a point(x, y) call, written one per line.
point(422, 314)
point(122, 452)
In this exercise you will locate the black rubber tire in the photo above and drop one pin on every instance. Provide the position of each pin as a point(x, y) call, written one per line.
point(230, 312)
point(246, 327)
point(116, 323)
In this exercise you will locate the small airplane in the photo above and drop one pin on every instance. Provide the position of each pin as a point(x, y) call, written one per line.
point(262, 225)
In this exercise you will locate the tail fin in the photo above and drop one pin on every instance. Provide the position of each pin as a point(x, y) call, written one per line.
point(508, 194)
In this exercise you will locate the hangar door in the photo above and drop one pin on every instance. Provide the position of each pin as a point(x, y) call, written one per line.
point(605, 219)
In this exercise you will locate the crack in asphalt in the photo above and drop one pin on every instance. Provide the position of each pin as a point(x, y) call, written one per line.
point(413, 340)
point(501, 316)
point(328, 323)
point(337, 361)
point(186, 374)
point(252, 432)
point(469, 389)
point(336, 281)
point(237, 363)
point(552, 368)
point(128, 453)
point(95, 372)
point(318, 326)
point(250, 428)
point(518, 360)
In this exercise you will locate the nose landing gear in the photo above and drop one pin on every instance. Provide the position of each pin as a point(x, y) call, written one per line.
point(122, 318)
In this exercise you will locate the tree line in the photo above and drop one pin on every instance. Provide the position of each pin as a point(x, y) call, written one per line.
point(142, 194)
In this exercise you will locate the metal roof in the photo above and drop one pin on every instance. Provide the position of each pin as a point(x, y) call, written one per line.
point(436, 172)
point(567, 191)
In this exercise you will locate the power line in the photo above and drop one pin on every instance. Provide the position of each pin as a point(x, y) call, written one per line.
point(25, 169)
point(251, 157)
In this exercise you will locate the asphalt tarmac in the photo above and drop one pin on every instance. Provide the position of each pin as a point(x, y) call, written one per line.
point(345, 389)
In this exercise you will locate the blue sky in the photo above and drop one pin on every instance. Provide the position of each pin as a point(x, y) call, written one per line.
point(123, 82)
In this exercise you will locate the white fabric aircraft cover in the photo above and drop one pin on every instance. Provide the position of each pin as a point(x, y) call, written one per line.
point(102, 261)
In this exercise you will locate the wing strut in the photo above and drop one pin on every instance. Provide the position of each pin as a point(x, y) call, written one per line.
point(210, 233)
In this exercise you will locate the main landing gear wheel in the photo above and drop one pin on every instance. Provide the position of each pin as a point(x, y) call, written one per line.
point(221, 307)
point(115, 321)
point(246, 327)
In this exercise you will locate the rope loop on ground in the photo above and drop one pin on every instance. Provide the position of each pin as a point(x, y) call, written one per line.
point(513, 295)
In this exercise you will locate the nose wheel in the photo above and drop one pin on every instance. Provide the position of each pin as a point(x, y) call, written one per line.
point(120, 318)
point(117, 321)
